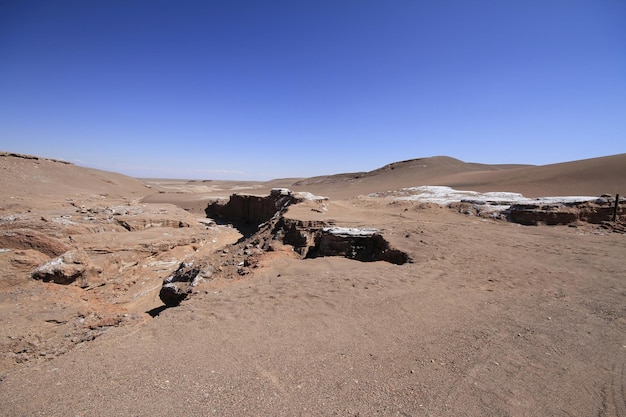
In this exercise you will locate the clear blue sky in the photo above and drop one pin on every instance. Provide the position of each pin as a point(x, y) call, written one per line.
point(267, 89)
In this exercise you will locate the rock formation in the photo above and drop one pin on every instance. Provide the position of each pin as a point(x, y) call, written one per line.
point(309, 239)
point(596, 212)
point(26, 238)
point(318, 239)
point(251, 209)
point(180, 284)
point(72, 266)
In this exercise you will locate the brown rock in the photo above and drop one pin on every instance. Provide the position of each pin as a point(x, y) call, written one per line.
point(66, 269)
point(532, 215)
point(31, 239)
point(594, 212)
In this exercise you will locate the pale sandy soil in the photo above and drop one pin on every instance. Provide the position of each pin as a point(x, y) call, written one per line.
point(489, 318)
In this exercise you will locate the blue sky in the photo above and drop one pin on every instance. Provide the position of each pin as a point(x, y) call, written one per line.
point(269, 89)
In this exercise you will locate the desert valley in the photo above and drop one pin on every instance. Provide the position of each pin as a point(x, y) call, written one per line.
point(427, 287)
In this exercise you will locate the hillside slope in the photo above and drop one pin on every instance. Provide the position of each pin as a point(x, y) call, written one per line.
point(593, 177)
point(26, 179)
point(584, 177)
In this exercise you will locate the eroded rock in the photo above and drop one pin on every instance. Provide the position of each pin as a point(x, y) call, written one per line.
point(179, 285)
point(361, 244)
point(317, 239)
point(596, 212)
point(72, 266)
point(134, 223)
point(31, 239)
point(251, 208)
point(309, 239)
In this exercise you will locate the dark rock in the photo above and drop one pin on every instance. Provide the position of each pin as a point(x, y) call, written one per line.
point(312, 239)
point(251, 209)
point(365, 245)
point(172, 294)
point(179, 285)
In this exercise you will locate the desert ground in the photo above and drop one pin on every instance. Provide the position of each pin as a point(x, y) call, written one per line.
point(458, 312)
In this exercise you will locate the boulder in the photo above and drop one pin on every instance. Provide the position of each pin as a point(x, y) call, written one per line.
point(65, 269)
point(179, 285)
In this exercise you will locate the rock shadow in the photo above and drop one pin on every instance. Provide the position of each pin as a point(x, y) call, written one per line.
point(157, 310)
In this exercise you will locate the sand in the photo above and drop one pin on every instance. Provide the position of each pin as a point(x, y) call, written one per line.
point(488, 318)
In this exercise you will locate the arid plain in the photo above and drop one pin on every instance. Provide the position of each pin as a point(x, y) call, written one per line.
point(482, 315)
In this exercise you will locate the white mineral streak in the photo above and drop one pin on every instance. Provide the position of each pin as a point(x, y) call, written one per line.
point(497, 200)
point(305, 195)
point(350, 231)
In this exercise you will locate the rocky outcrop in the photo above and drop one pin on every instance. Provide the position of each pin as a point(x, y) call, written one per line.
point(255, 210)
point(365, 245)
point(70, 267)
point(134, 223)
point(532, 215)
point(318, 239)
point(36, 158)
point(602, 210)
point(300, 234)
point(31, 239)
point(596, 212)
point(309, 239)
point(251, 209)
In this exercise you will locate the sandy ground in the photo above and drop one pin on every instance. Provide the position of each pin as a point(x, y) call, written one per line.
point(489, 318)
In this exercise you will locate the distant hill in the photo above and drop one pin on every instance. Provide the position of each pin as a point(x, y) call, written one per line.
point(585, 177)
point(411, 170)
point(25, 178)
point(592, 177)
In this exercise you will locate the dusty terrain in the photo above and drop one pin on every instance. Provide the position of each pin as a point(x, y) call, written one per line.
point(487, 317)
